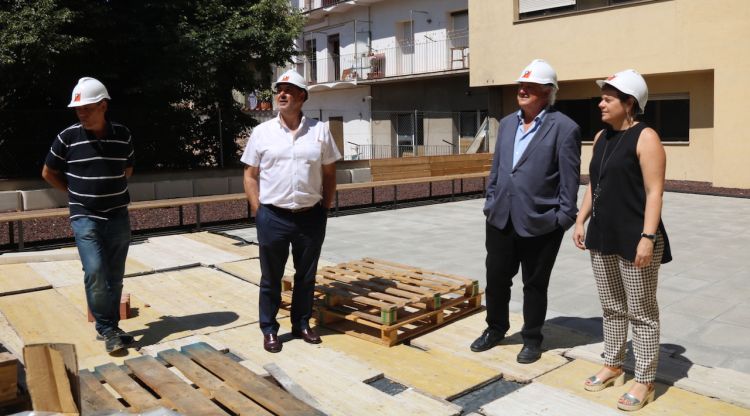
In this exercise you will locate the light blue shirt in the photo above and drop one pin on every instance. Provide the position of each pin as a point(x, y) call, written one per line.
point(523, 138)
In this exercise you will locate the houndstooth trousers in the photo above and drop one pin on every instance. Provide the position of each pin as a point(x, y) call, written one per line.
point(628, 295)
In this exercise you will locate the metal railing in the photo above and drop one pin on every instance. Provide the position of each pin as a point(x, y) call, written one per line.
point(448, 54)
point(382, 151)
point(307, 5)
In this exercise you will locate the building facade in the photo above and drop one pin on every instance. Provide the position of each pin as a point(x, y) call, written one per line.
point(692, 53)
point(391, 77)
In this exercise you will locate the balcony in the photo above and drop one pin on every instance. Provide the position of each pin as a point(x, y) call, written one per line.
point(317, 9)
point(406, 59)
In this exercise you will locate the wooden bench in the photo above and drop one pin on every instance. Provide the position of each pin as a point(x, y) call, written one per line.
point(196, 201)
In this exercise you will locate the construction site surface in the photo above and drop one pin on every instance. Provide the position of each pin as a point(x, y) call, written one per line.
point(193, 309)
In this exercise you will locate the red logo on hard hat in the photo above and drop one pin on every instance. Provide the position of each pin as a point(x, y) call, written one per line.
point(526, 74)
point(77, 97)
point(610, 78)
point(285, 78)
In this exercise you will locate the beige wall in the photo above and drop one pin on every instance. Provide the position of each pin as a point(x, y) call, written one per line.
point(693, 46)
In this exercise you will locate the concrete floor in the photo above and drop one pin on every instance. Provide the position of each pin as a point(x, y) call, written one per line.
point(704, 296)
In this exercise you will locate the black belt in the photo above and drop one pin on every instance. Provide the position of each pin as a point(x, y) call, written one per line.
point(290, 211)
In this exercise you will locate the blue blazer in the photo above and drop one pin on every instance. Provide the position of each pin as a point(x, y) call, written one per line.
point(540, 193)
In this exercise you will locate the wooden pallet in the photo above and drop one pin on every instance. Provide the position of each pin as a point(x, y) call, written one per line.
point(207, 383)
point(387, 302)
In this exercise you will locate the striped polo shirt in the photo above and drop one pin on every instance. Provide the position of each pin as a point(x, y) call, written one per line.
point(94, 169)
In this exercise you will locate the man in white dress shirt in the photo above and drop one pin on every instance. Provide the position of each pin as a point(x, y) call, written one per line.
point(290, 182)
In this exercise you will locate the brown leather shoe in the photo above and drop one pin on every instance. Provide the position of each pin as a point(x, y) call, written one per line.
point(308, 335)
point(271, 343)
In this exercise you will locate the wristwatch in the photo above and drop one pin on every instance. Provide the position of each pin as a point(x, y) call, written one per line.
point(651, 237)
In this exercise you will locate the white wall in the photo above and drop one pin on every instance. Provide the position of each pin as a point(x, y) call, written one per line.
point(347, 103)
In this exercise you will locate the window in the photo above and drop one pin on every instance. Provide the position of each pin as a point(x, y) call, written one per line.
point(669, 115)
point(468, 124)
point(311, 67)
point(538, 8)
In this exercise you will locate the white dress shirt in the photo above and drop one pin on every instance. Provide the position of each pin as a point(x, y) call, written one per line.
point(291, 174)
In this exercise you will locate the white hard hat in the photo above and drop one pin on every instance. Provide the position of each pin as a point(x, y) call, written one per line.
point(292, 77)
point(539, 72)
point(630, 82)
point(88, 91)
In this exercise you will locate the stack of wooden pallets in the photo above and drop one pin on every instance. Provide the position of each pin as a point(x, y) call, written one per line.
point(388, 302)
point(222, 386)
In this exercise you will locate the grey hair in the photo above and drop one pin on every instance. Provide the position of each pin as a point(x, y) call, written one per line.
point(552, 95)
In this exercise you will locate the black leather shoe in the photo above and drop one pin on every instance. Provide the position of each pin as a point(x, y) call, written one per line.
point(308, 335)
point(529, 354)
point(487, 340)
point(271, 343)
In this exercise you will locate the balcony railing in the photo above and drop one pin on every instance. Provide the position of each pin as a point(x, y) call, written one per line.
point(378, 151)
point(307, 5)
point(405, 59)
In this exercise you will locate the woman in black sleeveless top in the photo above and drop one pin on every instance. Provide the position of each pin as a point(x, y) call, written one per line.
point(625, 236)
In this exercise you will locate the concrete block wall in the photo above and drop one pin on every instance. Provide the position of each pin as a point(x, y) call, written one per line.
point(44, 199)
point(181, 188)
point(10, 201)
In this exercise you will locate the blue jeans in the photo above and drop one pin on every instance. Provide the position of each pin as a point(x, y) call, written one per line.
point(103, 248)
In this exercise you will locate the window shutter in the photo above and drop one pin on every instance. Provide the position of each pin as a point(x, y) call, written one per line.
point(526, 6)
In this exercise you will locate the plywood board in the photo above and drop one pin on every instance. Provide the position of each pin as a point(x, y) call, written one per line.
point(247, 270)
point(456, 338)
point(60, 273)
point(155, 260)
point(225, 243)
point(183, 245)
point(725, 384)
point(66, 253)
point(178, 304)
point(669, 400)
point(201, 299)
point(343, 392)
point(537, 399)
point(47, 316)
point(20, 278)
point(248, 234)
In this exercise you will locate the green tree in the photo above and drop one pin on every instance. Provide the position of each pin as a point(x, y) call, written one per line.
point(170, 68)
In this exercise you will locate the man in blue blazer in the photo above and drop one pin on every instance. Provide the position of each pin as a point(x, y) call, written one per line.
point(531, 201)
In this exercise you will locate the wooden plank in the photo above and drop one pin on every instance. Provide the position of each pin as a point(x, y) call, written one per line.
point(212, 386)
point(8, 377)
point(136, 396)
point(170, 388)
point(262, 391)
point(290, 386)
point(20, 278)
point(47, 367)
point(670, 400)
point(537, 399)
point(335, 379)
point(94, 397)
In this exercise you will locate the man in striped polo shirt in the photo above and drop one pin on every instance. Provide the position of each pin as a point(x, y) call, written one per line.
point(91, 161)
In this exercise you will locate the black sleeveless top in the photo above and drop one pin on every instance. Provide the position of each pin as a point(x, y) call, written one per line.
point(618, 196)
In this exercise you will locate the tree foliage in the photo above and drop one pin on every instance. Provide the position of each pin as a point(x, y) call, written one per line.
point(170, 67)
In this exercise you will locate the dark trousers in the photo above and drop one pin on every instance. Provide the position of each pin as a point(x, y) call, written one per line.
point(506, 250)
point(277, 229)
